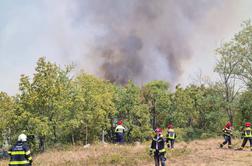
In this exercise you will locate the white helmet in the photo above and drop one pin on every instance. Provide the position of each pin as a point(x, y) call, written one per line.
point(22, 137)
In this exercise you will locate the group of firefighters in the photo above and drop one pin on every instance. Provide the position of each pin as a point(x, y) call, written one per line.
point(21, 155)
point(246, 135)
point(158, 144)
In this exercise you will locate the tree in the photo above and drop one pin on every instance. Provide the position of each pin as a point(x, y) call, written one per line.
point(43, 102)
point(93, 106)
point(7, 118)
point(156, 95)
point(132, 111)
point(228, 68)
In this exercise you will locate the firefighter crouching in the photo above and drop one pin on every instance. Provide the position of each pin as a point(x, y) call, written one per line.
point(247, 135)
point(20, 154)
point(157, 148)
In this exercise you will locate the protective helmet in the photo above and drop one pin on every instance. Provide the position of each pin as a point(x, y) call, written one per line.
point(120, 122)
point(170, 126)
point(22, 138)
point(247, 124)
point(228, 124)
point(158, 130)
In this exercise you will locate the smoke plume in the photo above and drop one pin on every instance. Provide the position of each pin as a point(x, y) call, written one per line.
point(143, 40)
point(140, 40)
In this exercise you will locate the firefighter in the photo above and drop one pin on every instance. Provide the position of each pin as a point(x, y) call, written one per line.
point(247, 135)
point(227, 133)
point(20, 153)
point(170, 136)
point(157, 148)
point(120, 130)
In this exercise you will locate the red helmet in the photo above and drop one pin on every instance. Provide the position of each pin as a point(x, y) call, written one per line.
point(170, 126)
point(247, 124)
point(158, 130)
point(228, 124)
point(120, 122)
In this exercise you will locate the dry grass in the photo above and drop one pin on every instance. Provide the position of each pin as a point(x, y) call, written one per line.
point(196, 153)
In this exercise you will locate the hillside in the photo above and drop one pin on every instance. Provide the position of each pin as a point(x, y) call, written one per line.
point(195, 153)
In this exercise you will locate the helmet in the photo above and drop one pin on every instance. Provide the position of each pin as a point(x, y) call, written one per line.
point(22, 138)
point(170, 126)
point(228, 124)
point(120, 122)
point(247, 124)
point(158, 130)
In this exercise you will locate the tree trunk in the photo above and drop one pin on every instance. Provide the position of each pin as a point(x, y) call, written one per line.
point(41, 143)
point(73, 140)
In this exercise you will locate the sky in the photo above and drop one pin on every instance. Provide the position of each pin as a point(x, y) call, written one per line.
point(118, 40)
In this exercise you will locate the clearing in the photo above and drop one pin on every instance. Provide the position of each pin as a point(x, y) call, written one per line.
point(195, 153)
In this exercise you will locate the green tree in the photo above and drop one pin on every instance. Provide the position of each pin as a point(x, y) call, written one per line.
point(44, 101)
point(93, 107)
point(132, 111)
point(7, 118)
point(156, 95)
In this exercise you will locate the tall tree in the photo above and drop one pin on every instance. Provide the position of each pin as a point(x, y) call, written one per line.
point(132, 111)
point(93, 106)
point(43, 102)
point(7, 118)
point(156, 95)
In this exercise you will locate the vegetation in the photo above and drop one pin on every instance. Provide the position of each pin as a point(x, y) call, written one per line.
point(58, 108)
point(197, 152)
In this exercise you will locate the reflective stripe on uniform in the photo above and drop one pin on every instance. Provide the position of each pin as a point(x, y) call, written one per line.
point(119, 129)
point(152, 150)
point(19, 162)
point(28, 152)
point(171, 135)
point(247, 133)
point(162, 150)
point(17, 153)
point(30, 158)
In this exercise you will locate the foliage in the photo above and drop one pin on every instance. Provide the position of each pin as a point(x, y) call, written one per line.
point(132, 111)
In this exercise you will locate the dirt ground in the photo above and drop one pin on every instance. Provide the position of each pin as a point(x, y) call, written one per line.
point(208, 153)
point(195, 153)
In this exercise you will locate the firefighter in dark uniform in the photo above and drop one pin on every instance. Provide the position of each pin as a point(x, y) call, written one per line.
point(227, 133)
point(158, 148)
point(20, 154)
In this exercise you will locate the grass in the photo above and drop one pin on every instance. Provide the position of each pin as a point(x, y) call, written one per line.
point(195, 153)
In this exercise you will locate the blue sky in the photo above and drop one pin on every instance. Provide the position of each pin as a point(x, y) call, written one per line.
point(55, 29)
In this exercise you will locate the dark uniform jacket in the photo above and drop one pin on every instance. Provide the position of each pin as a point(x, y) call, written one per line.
point(158, 145)
point(227, 131)
point(20, 154)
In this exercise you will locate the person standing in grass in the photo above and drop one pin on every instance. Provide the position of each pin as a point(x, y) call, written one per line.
point(20, 154)
point(170, 136)
point(247, 135)
point(157, 148)
point(227, 133)
point(120, 130)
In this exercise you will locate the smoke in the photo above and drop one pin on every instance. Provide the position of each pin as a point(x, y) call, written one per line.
point(143, 40)
point(118, 40)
